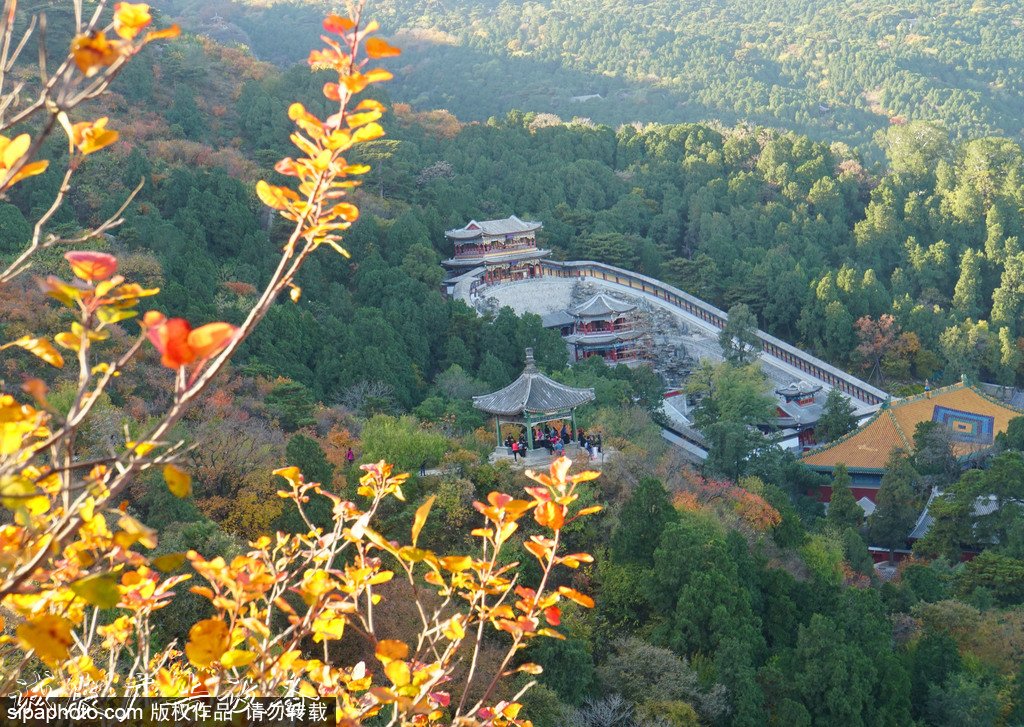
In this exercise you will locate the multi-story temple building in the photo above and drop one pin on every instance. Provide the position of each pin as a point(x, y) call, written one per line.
point(505, 250)
point(605, 326)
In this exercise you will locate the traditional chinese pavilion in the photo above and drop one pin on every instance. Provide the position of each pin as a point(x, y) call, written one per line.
point(972, 417)
point(798, 409)
point(532, 399)
point(605, 326)
point(504, 249)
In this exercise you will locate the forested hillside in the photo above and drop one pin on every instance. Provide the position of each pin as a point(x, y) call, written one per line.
point(831, 69)
point(723, 596)
point(907, 275)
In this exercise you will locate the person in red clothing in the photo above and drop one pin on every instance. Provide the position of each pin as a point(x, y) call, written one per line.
point(350, 456)
point(515, 449)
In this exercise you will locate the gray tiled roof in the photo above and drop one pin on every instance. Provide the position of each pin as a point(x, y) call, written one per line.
point(556, 319)
point(602, 305)
point(532, 392)
point(508, 226)
point(602, 337)
point(799, 388)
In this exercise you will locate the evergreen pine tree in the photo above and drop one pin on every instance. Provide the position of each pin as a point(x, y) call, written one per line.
point(843, 509)
point(641, 522)
point(896, 506)
point(738, 338)
point(836, 418)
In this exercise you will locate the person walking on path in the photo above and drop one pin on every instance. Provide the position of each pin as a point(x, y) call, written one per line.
point(350, 456)
point(515, 450)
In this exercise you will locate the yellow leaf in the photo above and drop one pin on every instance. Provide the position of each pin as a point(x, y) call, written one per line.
point(368, 133)
point(132, 531)
point(130, 18)
point(169, 562)
point(11, 150)
point(292, 474)
point(207, 641)
point(531, 668)
point(236, 657)
point(377, 75)
point(98, 590)
point(29, 170)
point(455, 630)
point(68, 340)
point(41, 348)
point(456, 562)
point(421, 518)
point(295, 293)
point(398, 672)
point(377, 48)
point(179, 482)
point(277, 197)
point(48, 635)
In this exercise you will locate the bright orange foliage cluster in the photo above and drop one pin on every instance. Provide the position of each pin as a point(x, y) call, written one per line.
point(750, 507)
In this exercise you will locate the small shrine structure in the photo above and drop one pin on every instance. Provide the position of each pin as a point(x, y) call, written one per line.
point(531, 400)
point(799, 407)
point(607, 327)
point(503, 250)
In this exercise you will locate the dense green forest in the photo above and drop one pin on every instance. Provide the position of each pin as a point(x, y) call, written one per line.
point(719, 602)
point(830, 69)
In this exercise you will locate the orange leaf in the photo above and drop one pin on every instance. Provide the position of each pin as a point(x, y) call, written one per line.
point(93, 52)
point(172, 32)
point(337, 24)
point(170, 338)
point(90, 136)
point(49, 635)
point(389, 650)
point(210, 339)
point(573, 595)
point(550, 514)
point(331, 91)
point(377, 48)
point(91, 266)
point(553, 615)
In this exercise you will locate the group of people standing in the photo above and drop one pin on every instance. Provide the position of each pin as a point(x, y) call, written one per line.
point(554, 440)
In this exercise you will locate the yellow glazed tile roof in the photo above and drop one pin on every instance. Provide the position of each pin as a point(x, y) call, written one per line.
point(869, 447)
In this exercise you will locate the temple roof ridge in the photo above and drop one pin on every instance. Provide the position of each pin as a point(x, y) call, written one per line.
point(533, 392)
point(602, 304)
point(507, 226)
